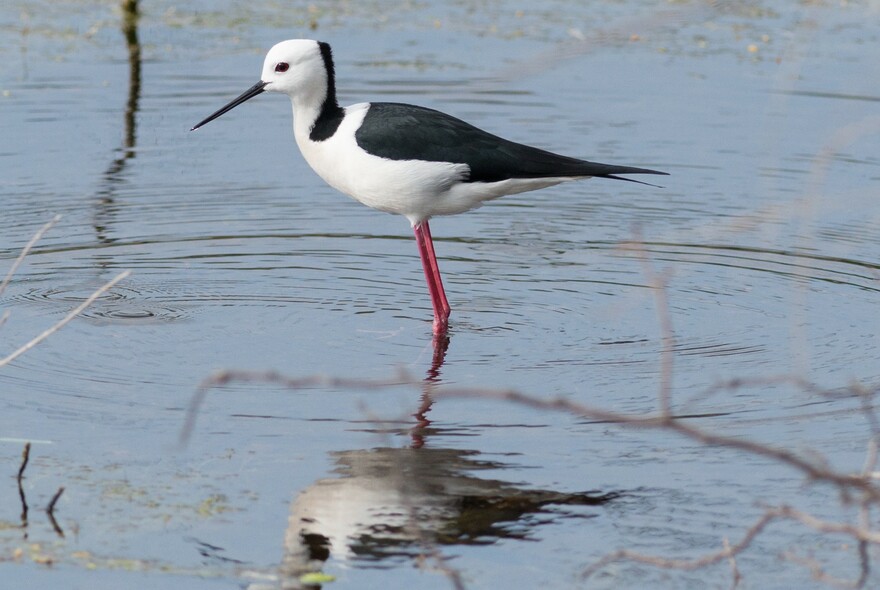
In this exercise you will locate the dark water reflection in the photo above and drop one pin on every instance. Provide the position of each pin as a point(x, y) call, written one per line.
point(114, 175)
point(391, 503)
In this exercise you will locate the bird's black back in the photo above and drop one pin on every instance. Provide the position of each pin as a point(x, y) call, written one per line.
point(408, 132)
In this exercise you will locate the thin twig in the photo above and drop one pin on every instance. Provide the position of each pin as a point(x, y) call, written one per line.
point(50, 511)
point(657, 283)
point(867, 399)
point(426, 541)
point(63, 322)
point(225, 377)
point(864, 564)
point(780, 512)
point(818, 572)
point(826, 526)
point(729, 385)
point(686, 564)
point(24, 252)
point(50, 508)
point(25, 456)
point(734, 570)
point(813, 469)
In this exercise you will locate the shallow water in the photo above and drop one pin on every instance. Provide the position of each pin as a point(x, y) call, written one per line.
point(765, 235)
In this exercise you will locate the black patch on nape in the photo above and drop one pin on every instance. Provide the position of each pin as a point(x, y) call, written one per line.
point(331, 114)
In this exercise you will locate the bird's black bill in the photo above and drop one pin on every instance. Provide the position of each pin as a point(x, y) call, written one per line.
point(247, 95)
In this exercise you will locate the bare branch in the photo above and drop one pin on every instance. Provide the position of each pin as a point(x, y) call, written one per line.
point(734, 570)
point(657, 282)
point(826, 526)
point(25, 457)
point(864, 536)
point(24, 252)
point(64, 321)
point(819, 573)
point(50, 512)
point(225, 377)
point(50, 508)
point(686, 564)
point(814, 469)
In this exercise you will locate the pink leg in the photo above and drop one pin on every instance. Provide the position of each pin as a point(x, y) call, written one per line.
point(432, 277)
point(438, 282)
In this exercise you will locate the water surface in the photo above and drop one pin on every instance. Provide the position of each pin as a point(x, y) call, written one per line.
point(766, 234)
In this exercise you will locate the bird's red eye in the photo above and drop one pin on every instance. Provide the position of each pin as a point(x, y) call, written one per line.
point(281, 66)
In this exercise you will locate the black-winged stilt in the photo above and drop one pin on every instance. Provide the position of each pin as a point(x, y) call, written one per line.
point(402, 158)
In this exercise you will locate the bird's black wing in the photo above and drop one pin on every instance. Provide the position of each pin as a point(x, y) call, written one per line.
point(407, 132)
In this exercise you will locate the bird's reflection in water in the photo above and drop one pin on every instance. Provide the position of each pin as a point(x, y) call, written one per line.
point(393, 502)
point(432, 379)
point(387, 503)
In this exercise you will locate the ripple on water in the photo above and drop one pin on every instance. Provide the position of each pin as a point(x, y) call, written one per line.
point(123, 303)
point(791, 264)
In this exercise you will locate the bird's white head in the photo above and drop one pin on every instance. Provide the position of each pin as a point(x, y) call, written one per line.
point(300, 68)
point(295, 66)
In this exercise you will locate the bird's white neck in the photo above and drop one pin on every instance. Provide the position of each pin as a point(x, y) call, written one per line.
point(316, 113)
point(306, 111)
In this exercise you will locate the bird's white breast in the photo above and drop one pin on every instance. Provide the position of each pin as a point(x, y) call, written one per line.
point(416, 189)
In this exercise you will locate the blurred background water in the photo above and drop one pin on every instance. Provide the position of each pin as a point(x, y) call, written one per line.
point(763, 113)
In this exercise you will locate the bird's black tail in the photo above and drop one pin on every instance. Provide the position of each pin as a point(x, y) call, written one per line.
point(611, 171)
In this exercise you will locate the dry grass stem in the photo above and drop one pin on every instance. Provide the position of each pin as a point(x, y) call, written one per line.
point(734, 570)
point(24, 252)
point(814, 467)
point(864, 537)
point(50, 512)
point(426, 540)
point(65, 320)
point(817, 571)
point(25, 457)
point(226, 377)
point(853, 488)
point(657, 282)
point(727, 552)
point(50, 508)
